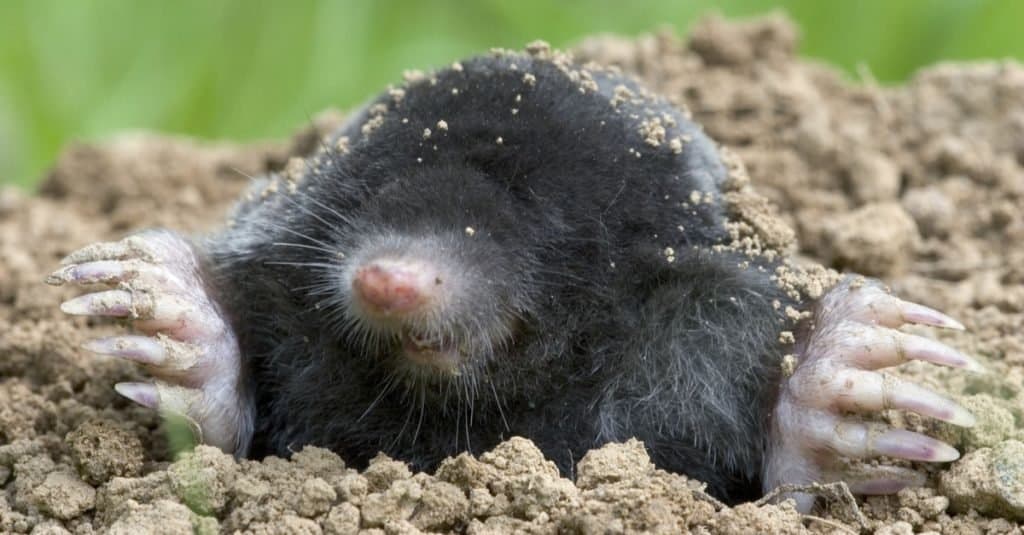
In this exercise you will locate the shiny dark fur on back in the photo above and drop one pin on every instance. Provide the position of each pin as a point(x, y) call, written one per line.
point(627, 322)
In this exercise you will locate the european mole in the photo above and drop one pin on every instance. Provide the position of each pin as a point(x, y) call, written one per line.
point(514, 245)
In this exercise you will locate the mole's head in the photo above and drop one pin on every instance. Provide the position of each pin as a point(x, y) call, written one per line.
point(432, 303)
point(434, 275)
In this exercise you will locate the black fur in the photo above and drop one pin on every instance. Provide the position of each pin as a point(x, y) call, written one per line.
point(615, 336)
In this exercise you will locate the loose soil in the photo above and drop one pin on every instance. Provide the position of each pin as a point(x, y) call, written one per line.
point(921, 185)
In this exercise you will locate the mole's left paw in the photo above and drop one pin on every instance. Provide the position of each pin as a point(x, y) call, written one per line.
point(852, 335)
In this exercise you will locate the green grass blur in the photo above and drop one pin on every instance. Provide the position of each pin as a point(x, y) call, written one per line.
point(248, 69)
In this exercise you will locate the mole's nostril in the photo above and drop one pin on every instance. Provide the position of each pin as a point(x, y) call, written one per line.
point(389, 288)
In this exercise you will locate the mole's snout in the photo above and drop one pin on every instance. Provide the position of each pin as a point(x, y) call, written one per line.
point(395, 287)
point(402, 294)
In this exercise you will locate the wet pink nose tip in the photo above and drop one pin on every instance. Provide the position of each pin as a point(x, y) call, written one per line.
point(388, 288)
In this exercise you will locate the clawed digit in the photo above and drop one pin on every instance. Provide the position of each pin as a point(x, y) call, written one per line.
point(852, 337)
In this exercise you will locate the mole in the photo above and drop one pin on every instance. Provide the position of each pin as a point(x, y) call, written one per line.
point(514, 245)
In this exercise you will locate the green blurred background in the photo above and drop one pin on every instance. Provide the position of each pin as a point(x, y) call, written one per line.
point(249, 69)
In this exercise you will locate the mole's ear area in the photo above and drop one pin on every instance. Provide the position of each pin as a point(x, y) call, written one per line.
point(853, 335)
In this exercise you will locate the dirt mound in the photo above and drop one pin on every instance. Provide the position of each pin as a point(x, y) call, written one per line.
point(920, 184)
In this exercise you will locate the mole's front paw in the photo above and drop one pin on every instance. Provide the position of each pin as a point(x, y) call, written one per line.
point(189, 347)
point(852, 334)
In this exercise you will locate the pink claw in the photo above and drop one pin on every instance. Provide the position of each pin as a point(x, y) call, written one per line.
point(143, 349)
point(921, 348)
point(909, 396)
point(103, 271)
point(871, 303)
point(861, 391)
point(912, 446)
point(922, 315)
point(130, 247)
point(144, 394)
point(855, 439)
point(878, 347)
point(110, 303)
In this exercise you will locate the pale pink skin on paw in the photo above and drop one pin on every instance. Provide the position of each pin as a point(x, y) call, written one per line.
point(852, 335)
point(186, 344)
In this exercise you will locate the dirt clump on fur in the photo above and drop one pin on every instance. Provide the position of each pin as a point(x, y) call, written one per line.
point(920, 184)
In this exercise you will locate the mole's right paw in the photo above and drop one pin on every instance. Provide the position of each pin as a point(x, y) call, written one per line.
point(852, 335)
point(189, 347)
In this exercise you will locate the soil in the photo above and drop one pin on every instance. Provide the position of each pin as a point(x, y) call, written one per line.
point(921, 185)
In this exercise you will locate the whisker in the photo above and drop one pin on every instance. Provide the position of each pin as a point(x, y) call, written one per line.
point(318, 288)
point(469, 417)
point(384, 391)
point(405, 423)
point(423, 405)
point(243, 173)
point(501, 410)
point(458, 424)
point(341, 218)
point(324, 265)
point(304, 246)
point(306, 210)
point(297, 233)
